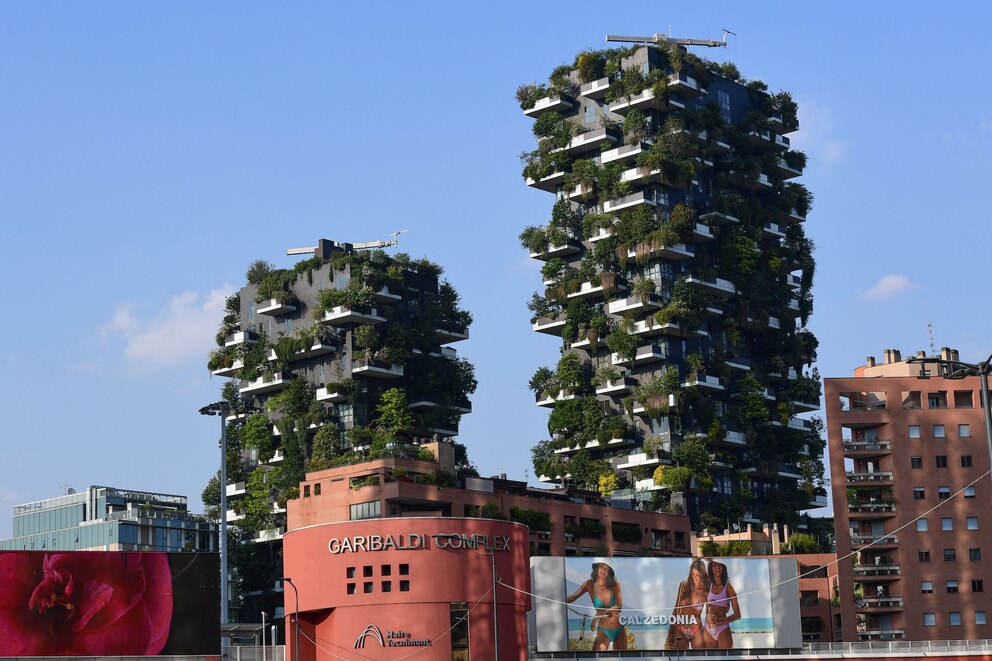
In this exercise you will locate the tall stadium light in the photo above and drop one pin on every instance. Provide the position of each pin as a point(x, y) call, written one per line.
point(492, 556)
point(221, 409)
point(296, 638)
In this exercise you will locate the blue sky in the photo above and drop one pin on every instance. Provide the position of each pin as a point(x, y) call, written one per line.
point(151, 151)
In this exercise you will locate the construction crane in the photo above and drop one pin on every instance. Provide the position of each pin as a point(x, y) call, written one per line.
point(658, 38)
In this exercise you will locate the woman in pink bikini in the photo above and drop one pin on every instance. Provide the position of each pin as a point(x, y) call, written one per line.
point(603, 589)
point(693, 592)
point(722, 608)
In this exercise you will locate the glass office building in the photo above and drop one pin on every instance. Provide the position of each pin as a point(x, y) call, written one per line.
point(111, 519)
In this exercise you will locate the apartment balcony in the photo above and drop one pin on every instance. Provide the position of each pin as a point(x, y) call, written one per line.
point(705, 382)
point(654, 250)
point(635, 304)
point(780, 127)
point(630, 201)
point(702, 233)
point(549, 401)
point(324, 394)
point(590, 141)
point(647, 484)
point(235, 489)
point(341, 315)
point(558, 103)
point(715, 285)
point(739, 363)
point(274, 308)
point(449, 335)
point(549, 184)
point(317, 349)
point(790, 216)
point(719, 218)
point(596, 89)
point(774, 470)
point(867, 449)
point(620, 386)
point(736, 438)
point(588, 290)
point(879, 603)
point(793, 281)
point(570, 247)
point(269, 535)
point(639, 459)
point(882, 634)
point(806, 407)
point(549, 325)
point(646, 100)
point(649, 328)
point(624, 153)
point(572, 450)
point(876, 572)
point(787, 171)
point(229, 371)
point(233, 516)
point(641, 175)
point(685, 86)
point(386, 296)
point(770, 139)
point(241, 337)
point(265, 384)
point(376, 369)
point(603, 233)
point(856, 479)
point(774, 230)
point(753, 182)
point(876, 541)
point(868, 510)
point(650, 353)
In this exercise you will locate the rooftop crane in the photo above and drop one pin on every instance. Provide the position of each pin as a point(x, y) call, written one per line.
point(658, 38)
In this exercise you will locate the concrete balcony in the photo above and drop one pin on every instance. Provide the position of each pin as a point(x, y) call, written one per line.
point(868, 479)
point(603, 233)
point(882, 634)
point(630, 201)
point(558, 103)
point(570, 247)
point(620, 386)
point(639, 459)
point(596, 89)
point(265, 384)
point(793, 281)
point(641, 175)
point(647, 484)
point(879, 603)
point(550, 184)
point(274, 308)
point(624, 153)
point(650, 353)
point(549, 325)
point(806, 407)
point(774, 230)
point(877, 541)
point(706, 382)
point(235, 489)
point(753, 182)
point(649, 327)
point(386, 296)
point(233, 516)
point(376, 369)
point(588, 290)
point(787, 171)
point(685, 86)
point(715, 285)
point(739, 363)
point(790, 216)
point(590, 141)
point(341, 315)
point(241, 337)
point(269, 535)
point(317, 349)
point(702, 233)
point(229, 371)
point(646, 100)
point(779, 126)
point(719, 218)
point(872, 448)
point(323, 394)
point(876, 571)
point(449, 335)
point(548, 401)
point(635, 304)
point(654, 250)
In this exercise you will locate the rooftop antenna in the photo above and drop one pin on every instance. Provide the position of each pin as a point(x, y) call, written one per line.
point(396, 237)
point(933, 347)
point(658, 38)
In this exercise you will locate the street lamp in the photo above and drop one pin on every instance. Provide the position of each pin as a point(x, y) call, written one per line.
point(955, 369)
point(492, 556)
point(221, 409)
point(296, 638)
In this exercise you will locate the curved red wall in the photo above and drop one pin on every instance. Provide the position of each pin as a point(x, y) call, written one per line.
point(336, 608)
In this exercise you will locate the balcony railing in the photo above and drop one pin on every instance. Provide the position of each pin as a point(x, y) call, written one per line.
point(868, 477)
point(867, 446)
point(879, 602)
point(862, 571)
point(863, 540)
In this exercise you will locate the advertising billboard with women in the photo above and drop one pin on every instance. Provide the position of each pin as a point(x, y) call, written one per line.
point(96, 603)
point(617, 604)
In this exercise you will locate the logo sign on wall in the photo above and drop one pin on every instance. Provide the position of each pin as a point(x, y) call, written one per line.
point(391, 639)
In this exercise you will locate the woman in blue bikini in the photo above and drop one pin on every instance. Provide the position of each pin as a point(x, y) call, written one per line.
point(722, 608)
point(603, 589)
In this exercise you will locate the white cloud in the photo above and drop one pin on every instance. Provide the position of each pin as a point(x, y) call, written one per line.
point(887, 286)
point(985, 125)
point(816, 135)
point(183, 328)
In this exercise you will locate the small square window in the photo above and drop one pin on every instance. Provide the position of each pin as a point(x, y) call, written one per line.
point(404, 586)
point(351, 588)
point(923, 555)
point(938, 431)
point(919, 493)
point(971, 523)
point(969, 492)
point(929, 619)
point(916, 462)
point(966, 461)
point(977, 585)
point(943, 493)
point(914, 431)
point(941, 461)
point(964, 431)
point(950, 555)
point(946, 523)
point(369, 587)
point(980, 617)
point(316, 489)
point(404, 570)
point(952, 587)
point(975, 554)
point(350, 572)
point(386, 570)
point(367, 571)
point(921, 525)
point(387, 586)
point(306, 490)
point(926, 587)
point(954, 618)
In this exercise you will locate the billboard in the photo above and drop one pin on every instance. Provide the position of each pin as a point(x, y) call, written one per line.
point(616, 604)
point(100, 603)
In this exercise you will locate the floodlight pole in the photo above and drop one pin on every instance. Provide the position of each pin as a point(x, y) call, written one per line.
point(296, 617)
point(221, 409)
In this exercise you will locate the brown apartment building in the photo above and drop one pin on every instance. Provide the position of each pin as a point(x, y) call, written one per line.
point(907, 448)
